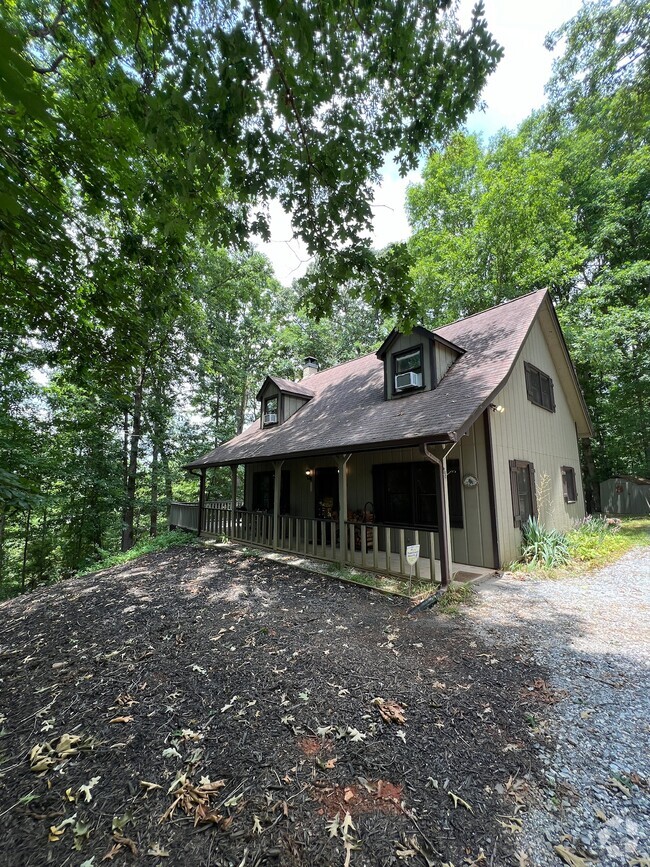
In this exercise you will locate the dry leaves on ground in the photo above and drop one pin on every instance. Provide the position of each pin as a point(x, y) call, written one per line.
point(390, 710)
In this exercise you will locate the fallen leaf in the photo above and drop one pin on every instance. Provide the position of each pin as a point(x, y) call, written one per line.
point(80, 832)
point(126, 842)
point(121, 719)
point(390, 710)
point(458, 800)
point(598, 813)
point(355, 735)
point(569, 857)
point(171, 753)
point(402, 734)
point(614, 783)
point(119, 823)
point(149, 787)
point(334, 826)
point(157, 851)
point(85, 789)
point(257, 827)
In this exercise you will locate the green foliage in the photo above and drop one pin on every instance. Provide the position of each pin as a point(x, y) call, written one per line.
point(597, 541)
point(492, 223)
point(169, 539)
point(456, 595)
point(561, 203)
point(592, 543)
point(198, 113)
point(542, 547)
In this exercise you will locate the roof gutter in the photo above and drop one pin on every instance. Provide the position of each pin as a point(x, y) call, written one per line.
point(416, 442)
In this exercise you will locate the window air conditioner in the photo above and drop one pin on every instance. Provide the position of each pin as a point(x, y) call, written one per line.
point(408, 380)
point(271, 418)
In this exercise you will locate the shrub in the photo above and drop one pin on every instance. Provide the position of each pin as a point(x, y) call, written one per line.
point(147, 545)
point(543, 547)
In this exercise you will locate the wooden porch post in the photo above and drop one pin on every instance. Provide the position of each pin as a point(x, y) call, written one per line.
point(341, 463)
point(201, 500)
point(277, 489)
point(233, 499)
point(444, 526)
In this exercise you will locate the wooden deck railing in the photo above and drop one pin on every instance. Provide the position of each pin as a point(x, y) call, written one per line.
point(376, 547)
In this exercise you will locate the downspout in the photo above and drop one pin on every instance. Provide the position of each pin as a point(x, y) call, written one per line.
point(444, 528)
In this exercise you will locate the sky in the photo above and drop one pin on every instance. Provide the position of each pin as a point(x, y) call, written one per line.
point(511, 93)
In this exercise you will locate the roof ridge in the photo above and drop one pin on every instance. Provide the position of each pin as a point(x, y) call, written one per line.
point(493, 307)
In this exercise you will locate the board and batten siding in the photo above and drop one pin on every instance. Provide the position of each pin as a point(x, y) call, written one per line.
point(445, 357)
point(471, 544)
point(548, 440)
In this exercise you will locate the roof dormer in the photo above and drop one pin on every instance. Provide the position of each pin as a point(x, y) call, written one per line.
point(416, 361)
point(280, 399)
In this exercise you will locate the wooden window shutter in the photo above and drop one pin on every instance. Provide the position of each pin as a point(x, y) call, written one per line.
point(533, 495)
point(514, 493)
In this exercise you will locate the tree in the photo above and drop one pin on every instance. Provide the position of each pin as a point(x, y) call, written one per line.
point(562, 203)
point(233, 104)
point(489, 224)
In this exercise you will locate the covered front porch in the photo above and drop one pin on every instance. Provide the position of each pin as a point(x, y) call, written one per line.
point(363, 509)
point(372, 547)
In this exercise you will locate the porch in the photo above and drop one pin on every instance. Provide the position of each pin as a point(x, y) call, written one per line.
point(373, 547)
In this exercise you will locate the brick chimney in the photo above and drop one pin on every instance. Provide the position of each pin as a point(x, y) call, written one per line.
point(310, 367)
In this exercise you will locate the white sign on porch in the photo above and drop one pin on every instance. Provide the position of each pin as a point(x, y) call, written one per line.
point(412, 554)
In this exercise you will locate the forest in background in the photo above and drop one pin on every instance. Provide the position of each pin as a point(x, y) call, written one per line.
point(137, 321)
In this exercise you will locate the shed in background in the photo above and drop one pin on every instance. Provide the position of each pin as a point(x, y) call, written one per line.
point(625, 495)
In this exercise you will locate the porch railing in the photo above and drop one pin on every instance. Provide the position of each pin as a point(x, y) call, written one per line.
point(376, 547)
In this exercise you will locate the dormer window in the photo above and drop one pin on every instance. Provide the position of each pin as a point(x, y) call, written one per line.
point(407, 367)
point(271, 411)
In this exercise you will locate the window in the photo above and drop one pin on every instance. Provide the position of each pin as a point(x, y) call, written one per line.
point(522, 488)
point(264, 489)
point(405, 363)
point(271, 411)
point(539, 387)
point(569, 484)
point(408, 494)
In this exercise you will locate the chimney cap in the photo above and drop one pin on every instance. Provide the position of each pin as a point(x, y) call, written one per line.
point(311, 362)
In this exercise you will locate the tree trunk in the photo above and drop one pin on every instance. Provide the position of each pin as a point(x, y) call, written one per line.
point(164, 460)
point(592, 488)
point(128, 539)
point(3, 523)
point(24, 569)
point(153, 527)
point(41, 565)
point(242, 408)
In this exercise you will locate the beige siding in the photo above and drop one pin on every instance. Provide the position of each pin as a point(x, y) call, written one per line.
point(291, 404)
point(445, 357)
point(471, 545)
point(530, 433)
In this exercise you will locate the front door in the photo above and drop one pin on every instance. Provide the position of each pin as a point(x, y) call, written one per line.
point(326, 491)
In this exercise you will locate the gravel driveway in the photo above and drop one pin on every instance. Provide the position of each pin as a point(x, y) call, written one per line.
point(593, 634)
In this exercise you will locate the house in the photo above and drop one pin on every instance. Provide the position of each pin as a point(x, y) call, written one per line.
point(450, 439)
point(625, 495)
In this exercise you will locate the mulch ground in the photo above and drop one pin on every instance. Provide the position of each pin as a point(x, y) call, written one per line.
point(203, 707)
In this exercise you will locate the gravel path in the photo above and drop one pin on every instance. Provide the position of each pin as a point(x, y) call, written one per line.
point(593, 634)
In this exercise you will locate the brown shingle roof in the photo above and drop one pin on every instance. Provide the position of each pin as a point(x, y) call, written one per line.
point(348, 411)
point(287, 387)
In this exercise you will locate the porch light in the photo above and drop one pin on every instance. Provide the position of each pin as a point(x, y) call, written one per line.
point(497, 408)
point(309, 473)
